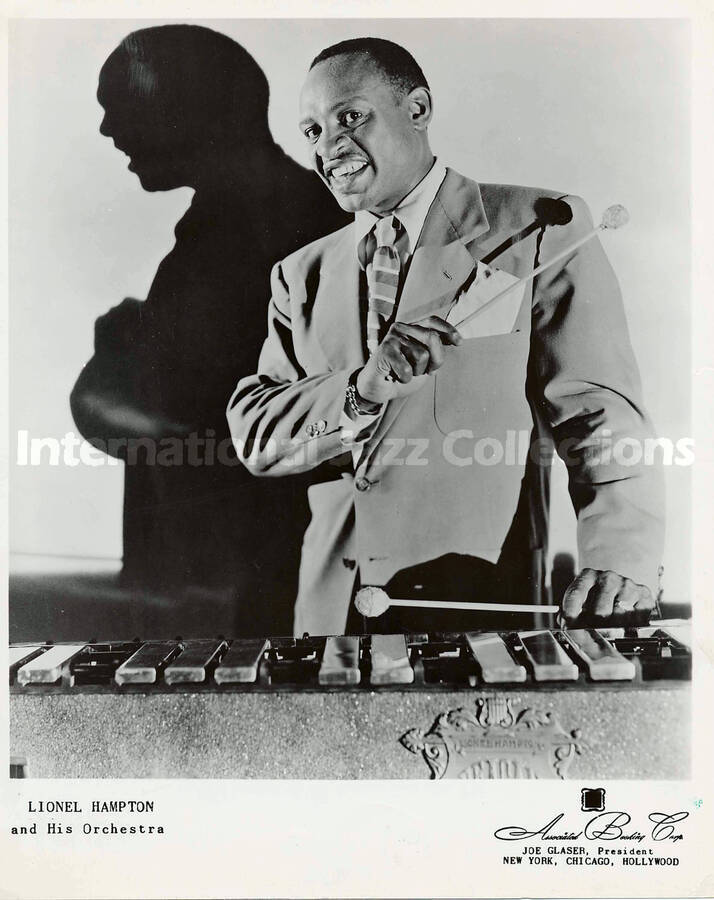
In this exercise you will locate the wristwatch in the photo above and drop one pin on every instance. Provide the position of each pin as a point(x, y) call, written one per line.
point(356, 404)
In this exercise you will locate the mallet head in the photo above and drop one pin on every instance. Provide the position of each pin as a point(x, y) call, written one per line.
point(372, 601)
point(615, 217)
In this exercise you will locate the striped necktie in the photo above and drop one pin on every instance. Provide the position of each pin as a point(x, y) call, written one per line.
point(382, 280)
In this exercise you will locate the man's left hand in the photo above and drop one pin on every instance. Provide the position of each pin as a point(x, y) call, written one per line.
point(598, 597)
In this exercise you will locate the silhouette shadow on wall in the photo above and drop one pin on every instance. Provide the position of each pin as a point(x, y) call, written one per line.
point(189, 107)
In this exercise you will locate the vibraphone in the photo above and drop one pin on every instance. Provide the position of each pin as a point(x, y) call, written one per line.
point(586, 703)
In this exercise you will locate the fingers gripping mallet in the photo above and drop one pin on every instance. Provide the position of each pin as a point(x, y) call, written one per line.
point(375, 601)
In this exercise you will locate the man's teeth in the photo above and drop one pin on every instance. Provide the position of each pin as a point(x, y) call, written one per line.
point(347, 168)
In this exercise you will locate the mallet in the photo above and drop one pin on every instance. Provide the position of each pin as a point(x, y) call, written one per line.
point(614, 217)
point(374, 601)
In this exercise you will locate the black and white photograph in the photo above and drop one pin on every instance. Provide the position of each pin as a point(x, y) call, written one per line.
point(351, 456)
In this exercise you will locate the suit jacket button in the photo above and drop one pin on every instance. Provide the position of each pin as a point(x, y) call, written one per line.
point(362, 484)
point(310, 429)
point(320, 426)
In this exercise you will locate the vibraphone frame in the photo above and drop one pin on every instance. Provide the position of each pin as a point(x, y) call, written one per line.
point(627, 729)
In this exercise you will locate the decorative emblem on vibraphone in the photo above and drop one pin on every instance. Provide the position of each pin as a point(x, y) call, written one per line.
point(495, 741)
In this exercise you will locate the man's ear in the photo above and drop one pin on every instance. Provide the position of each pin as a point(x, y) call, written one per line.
point(420, 108)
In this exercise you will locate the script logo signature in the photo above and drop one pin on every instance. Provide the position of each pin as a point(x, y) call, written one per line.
point(608, 826)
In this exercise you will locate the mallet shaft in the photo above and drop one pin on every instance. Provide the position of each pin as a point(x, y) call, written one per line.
point(477, 607)
point(526, 278)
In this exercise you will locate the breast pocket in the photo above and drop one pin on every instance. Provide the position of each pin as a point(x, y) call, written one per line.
point(482, 386)
point(493, 300)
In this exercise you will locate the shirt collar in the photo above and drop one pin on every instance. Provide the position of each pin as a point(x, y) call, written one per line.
point(411, 212)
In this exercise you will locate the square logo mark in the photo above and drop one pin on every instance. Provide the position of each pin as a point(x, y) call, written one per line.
point(592, 799)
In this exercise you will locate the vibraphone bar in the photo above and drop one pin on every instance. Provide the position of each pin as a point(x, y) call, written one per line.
point(220, 707)
point(440, 660)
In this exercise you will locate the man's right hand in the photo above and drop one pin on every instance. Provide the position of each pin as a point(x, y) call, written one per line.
point(406, 357)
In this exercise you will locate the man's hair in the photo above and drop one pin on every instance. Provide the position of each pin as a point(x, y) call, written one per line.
point(396, 64)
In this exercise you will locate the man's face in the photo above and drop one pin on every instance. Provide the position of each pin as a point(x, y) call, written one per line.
point(361, 134)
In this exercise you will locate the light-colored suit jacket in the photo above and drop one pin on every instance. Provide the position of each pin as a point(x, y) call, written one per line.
point(454, 479)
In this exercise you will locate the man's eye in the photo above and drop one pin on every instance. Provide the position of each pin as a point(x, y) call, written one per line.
point(351, 117)
point(312, 133)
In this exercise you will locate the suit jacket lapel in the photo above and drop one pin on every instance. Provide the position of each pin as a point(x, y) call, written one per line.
point(444, 258)
point(444, 255)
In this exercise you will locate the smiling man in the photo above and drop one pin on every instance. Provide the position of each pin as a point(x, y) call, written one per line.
point(370, 150)
point(405, 421)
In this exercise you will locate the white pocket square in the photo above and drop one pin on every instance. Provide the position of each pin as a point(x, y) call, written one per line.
point(498, 318)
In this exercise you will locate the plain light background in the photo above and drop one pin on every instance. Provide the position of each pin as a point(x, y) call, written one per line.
point(598, 108)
